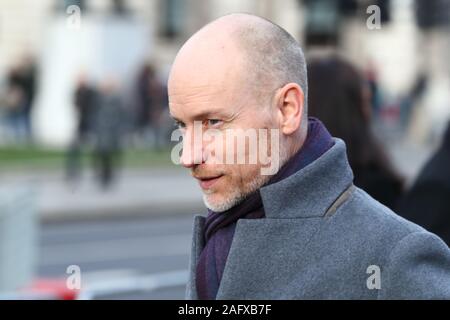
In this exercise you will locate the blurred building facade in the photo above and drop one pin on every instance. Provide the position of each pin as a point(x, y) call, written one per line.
point(114, 37)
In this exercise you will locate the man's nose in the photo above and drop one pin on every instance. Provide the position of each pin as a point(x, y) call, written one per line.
point(192, 151)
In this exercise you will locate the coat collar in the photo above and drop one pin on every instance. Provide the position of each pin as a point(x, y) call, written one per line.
point(311, 191)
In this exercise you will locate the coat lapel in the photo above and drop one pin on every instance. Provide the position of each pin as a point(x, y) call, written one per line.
point(265, 249)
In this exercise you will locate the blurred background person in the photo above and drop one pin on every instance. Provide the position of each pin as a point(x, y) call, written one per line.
point(21, 82)
point(411, 99)
point(151, 107)
point(159, 112)
point(427, 202)
point(375, 94)
point(12, 105)
point(108, 132)
point(340, 97)
point(143, 97)
point(85, 101)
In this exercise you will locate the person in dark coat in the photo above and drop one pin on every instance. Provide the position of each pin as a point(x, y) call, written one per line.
point(427, 202)
point(339, 97)
point(108, 133)
point(151, 107)
point(143, 112)
point(85, 101)
point(24, 78)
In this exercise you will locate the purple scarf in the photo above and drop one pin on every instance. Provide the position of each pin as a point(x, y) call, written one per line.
point(220, 226)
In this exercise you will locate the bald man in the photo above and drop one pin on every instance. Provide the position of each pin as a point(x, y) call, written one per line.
point(301, 230)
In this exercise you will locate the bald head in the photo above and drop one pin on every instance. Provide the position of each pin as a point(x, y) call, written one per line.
point(264, 56)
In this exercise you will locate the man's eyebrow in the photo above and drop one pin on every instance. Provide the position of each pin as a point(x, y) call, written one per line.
point(203, 114)
point(200, 115)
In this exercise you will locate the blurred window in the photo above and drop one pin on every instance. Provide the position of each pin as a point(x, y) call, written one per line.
point(324, 17)
point(61, 6)
point(322, 21)
point(432, 13)
point(119, 7)
point(172, 19)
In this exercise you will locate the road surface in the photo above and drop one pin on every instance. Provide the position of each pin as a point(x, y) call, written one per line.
point(115, 249)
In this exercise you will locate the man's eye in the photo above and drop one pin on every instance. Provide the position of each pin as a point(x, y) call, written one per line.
point(213, 122)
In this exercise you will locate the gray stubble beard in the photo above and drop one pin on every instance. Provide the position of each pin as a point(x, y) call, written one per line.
point(238, 196)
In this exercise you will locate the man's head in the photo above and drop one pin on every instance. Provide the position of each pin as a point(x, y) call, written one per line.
point(240, 72)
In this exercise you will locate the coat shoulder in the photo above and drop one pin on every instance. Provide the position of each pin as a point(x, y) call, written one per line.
point(415, 263)
point(375, 218)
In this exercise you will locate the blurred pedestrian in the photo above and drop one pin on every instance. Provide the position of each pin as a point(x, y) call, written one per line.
point(427, 202)
point(375, 92)
point(108, 132)
point(152, 107)
point(85, 101)
point(409, 101)
point(13, 105)
point(22, 82)
point(159, 112)
point(340, 98)
point(143, 114)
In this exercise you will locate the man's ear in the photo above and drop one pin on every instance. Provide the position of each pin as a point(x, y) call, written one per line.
point(290, 103)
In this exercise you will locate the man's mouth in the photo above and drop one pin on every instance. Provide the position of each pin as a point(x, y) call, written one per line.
point(208, 182)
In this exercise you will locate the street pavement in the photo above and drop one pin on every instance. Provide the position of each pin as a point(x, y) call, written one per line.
point(119, 256)
point(136, 192)
point(130, 241)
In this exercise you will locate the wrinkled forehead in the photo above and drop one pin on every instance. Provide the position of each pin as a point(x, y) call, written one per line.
point(189, 101)
point(206, 84)
point(206, 65)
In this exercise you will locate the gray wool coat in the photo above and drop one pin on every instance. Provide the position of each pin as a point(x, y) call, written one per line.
point(324, 238)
